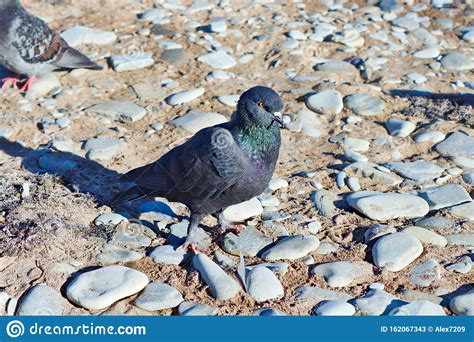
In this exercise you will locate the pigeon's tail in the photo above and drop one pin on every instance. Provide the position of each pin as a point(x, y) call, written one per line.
point(128, 195)
point(73, 59)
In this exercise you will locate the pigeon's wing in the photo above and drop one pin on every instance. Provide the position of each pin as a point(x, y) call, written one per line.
point(37, 43)
point(205, 166)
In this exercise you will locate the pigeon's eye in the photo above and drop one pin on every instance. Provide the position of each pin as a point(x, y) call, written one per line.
point(261, 104)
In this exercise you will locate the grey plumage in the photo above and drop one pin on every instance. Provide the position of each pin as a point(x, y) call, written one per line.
point(219, 166)
point(29, 47)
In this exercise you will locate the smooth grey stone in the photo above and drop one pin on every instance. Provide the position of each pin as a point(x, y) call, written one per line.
point(418, 308)
point(339, 67)
point(369, 170)
point(396, 251)
point(326, 102)
point(131, 62)
point(426, 236)
point(221, 285)
point(114, 254)
point(419, 170)
point(146, 91)
point(218, 60)
point(412, 295)
point(263, 285)
point(224, 261)
point(445, 196)
point(184, 97)
point(79, 35)
point(179, 232)
point(400, 128)
point(158, 296)
point(464, 265)
point(435, 222)
point(463, 305)
point(109, 219)
point(162, 30)
point(195, 121)
point(196, 309)
point(464, 211)
point(324, 202)
point(456, 145)
point(268, 312)
point(101, 148)
point(248, 243)
point(468, 178)
point(131, 235)
point(460, 239)
point(318, 294)
point(41, 300)
point(291, 248)
point(365, 104)
point(432, 136)
point(457, 61)
point(55, 163)
point(377, 302)
point(425, 274)
point(100, 288)
point(276, 267)
point(377, 230)
point(334, 308)
point(167, 254)
point(342, 273)
point(174, 56)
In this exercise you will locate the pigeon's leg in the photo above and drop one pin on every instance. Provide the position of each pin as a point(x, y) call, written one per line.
point(27, 84)
point(192, 232)
point(227, 227)
point(7, 81)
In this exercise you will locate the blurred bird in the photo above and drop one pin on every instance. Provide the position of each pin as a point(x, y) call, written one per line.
point(29, 47)
point(220, 165)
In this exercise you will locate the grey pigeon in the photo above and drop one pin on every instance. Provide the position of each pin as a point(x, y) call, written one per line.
point(220, 165)
point(29, 47)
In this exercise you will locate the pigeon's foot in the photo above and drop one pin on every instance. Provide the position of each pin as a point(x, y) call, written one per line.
point(235, 229)
point(27, 84)
point(8, 81)
point(195, 249)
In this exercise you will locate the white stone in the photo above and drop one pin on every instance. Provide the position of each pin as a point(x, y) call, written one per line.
point(158, 296)
point(243, 211)
point(291, 248)
point(263, 285)
point(396, 251)
point(185, 96)
point(418, 308)
point(218, 60)
point(78, 35)
point(463, 305)
point(229, 100)
point(400, 128)
point(326, 102)
point(195, 121)
point(334, 308)
point(342, 273)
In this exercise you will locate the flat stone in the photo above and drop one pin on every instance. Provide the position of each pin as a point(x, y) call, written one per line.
point(277, 183)
point(426, 236)
point(184, 96)
point(243, 211)
point(196, 309)
point(121, 111)
point(109, 219)
point(435, 222)
point(100, 288)
point(357, 145)
point(56, 163)
point(400, 128)
point(464, 211)
point(342, 273)
point(445, 196)
point(114, 254)
point(324, 202)
point(377, 302)
point(179, 232)
point(387, 206)
point(425, 274)
point(101, 148)
point(268, 312)
point(339, 67)
point(43, 86)
point(433, 137)
point(221, 285)
point(418, 308)
point(41, 300)
point(167, 254)
point(428, 53)
point(131, 235)
point(249, 242)
point(291, 247)
point(369, 170)
point(334, 308)
point(419, 170)
point(396, 251)
point(276, 267)
point(365, 104)
point(460, 239)
point(326, 102)
point(412, 295)
point(318, 294)
point(457, 61)
point(195, 121)
point(218, 60)
point(79, 35)
point(174, 56)
point(263, 285)
point(229, 100)
point(456, 145)
point(131, 62)
point(158, 296)
point(377, 230)
point(464, 265)
point(463, 305)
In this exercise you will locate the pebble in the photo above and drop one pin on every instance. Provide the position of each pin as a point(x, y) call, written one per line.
point(377, 302)
point(464, 265)
point(426, 236)
point(355, 156)
point(418, 308)
point(179, 232)
point(43, 86)
point(326, 102)
point(249, 242)
point(464, 211)
point(463, 305)
point(168, 255)
point(193, 122)
point(158, 296)
point(435, 222)
point(425, 274)
point(291, 248)
point(268, 312)
point(221, 285)
point(400, 128)
point(353, 183)
point(387, 206)
point(445, 196)
point(114, 254)
point(101, 148)
point(41, 300)
point(373, 171)
point(196, 309)
point(243, 211)
point(263, 285)
point(174, 56)
point(342, 273)
point(433, 137)
point(229, 100)
point(456, 145)
point(396, 251)
point(356, 145)
point(324, 202)
point(100, 288)
point(457, 61)
point(365, 104)
point(79, 35)
point(334, 308)
point(184, 96)
point(377, 230)
point(218, 60)
point(277, 184)
point(318, 294)
point(460, 239)
point(419, 170)
point(109, 219)
point(428, 53)
point(120, 111)
point(131, 62)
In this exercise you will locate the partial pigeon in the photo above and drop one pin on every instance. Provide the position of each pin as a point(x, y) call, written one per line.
point(29, 47)
point(220, 165)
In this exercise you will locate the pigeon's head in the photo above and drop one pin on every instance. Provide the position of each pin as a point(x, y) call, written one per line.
point(261, 106)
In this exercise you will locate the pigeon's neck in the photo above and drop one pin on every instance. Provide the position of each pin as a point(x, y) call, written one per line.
point(258, 141)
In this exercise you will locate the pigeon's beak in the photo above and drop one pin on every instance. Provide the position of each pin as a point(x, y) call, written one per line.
point(278, 118)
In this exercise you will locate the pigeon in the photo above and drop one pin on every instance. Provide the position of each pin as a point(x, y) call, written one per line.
point(219, 166)
point(29, 47)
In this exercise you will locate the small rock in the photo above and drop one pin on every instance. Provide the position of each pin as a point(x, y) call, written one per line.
point(158, 296)
point(263, 285)
point(184, 96)
point(426, 273)
point(426, 236)
point(445, 196)
point(291, 247)
point(195, 121)
point(218, 60)
point(248, 243)
point(418, 308)
point(131, 62)
point(342, 273)
point(365, 104)
point(463, 305)
point(243, 211)
point(334, 308)
point(400, 128)
point(41, 300)
point(121, 111)
point(326, 102)
point(396, 251)
point(167, 254)
point(196, 309)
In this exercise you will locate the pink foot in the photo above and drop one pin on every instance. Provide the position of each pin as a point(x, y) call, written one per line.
point(235, 229)
point(27, 84)
point(195, 249)
point(7, 81)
